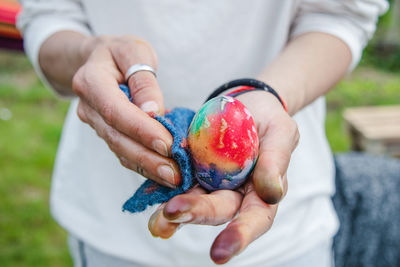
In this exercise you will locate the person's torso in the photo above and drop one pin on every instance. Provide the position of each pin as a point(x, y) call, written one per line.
point(200, 45)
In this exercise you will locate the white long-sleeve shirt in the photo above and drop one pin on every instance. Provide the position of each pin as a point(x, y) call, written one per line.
point(200, 45)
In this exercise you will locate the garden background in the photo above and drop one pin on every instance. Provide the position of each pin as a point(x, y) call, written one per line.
point(31, 120)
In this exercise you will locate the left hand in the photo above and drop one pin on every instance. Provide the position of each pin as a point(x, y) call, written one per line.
point(252, 208)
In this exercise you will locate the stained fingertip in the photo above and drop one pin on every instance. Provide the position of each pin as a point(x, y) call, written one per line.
point(177, 208)
point(220, 255)
point(269, 190)
point(226, 245)
point(159, 227)
point(152, 222)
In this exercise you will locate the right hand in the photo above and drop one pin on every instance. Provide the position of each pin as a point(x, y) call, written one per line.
point(140, 142)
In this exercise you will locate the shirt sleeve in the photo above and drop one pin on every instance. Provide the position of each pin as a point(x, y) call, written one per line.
point(353, 21)
point(40, 19)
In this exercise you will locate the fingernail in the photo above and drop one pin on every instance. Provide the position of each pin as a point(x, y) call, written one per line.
point(176, 208)
point(279, 185)
point(152, 221)
point(150, 106)
point(166, 173)
point(270, 189)
point(277, 194)
point(160, 147)
point(183, 218)
point(179, 227)
point(280, 178)
point(164, 183)
point(225, 246)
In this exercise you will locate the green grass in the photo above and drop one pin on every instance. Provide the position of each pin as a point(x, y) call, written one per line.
point(28, 142)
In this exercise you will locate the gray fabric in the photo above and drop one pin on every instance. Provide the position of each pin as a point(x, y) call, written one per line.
point(368, 205)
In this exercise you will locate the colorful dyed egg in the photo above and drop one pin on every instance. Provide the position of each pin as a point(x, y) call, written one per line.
point(223, 142)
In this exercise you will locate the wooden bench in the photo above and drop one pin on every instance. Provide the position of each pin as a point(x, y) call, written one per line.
point(374, 129)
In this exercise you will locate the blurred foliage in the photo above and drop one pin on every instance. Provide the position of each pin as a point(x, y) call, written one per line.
point(365, 87)
point(384, 21)
point(380, 53)
point(381, 56)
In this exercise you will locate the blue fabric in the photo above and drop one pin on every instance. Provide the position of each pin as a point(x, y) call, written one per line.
point(149, 193)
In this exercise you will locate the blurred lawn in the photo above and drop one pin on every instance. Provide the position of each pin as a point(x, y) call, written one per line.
point(28, 141)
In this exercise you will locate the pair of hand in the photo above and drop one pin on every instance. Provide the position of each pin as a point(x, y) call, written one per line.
point(144, 145)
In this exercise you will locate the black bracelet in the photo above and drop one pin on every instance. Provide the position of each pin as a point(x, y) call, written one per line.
point(256, 84)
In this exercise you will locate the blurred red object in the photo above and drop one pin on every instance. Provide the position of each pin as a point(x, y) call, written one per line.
point(10, 37)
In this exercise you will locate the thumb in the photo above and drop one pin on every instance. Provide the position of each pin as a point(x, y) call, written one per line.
point(276, 147)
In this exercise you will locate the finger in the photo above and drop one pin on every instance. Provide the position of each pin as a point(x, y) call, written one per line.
point(159, 226)
point(276, 147)
point(254, 219)
point(97, 84)
point(210, 209)
point(145, 91)
point(132, 154)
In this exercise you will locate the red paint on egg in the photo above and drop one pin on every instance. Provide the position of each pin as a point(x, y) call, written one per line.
point(233, 133)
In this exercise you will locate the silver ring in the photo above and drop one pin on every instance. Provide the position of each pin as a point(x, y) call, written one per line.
point(138, 67)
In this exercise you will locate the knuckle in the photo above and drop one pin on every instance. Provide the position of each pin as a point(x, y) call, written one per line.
point(77, 82)
point(130, 44)
point(210, 206)
point(136, 130)
point(102, 39)
point(81, 113)
point(124, 162)
point(141, 160)
point(120, 49)
point(82, 81)
point(112, 138)
point(205, 211)
point(140, 83)
point(107, 111)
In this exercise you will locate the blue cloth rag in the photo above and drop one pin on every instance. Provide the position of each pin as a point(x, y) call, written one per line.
point(149, 193)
